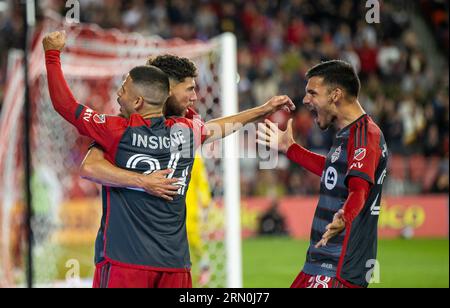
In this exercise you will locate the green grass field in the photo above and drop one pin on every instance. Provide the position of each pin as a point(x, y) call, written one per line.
point(274, 262)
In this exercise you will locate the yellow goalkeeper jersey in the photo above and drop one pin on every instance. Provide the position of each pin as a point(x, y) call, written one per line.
point(198, 197)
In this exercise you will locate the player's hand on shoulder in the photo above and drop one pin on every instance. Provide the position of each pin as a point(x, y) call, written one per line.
point(54, 41)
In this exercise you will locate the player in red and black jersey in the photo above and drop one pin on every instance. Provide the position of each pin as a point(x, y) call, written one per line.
point(136, 228)
point(142, 239)
point(343, 243)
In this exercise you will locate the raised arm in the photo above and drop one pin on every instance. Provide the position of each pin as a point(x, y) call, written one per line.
point(270, 135)
point(222, 127)
point(62, 98)
point(107, 129)
point(97, 169)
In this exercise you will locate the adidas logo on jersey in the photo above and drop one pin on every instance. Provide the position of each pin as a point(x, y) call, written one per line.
point(374, 209)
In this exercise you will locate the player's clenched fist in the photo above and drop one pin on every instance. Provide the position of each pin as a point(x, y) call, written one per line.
point(54, 41)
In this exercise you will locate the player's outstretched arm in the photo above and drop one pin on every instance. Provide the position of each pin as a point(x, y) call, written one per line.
point(62, 98)
point(99, 170)
point(270, 135)
point(106, 130)
point(222, 127)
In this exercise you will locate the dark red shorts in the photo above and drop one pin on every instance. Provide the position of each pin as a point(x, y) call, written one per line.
point(305, 281)
point(109, 275)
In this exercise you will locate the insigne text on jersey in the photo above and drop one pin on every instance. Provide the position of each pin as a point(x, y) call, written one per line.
point(159, 142)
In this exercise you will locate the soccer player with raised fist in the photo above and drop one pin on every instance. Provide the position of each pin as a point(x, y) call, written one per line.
point(142, 239)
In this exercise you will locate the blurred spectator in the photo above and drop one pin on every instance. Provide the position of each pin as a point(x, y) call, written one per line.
point(272, 222)
point(388, 60)
point(436, 13)
point(441, 183)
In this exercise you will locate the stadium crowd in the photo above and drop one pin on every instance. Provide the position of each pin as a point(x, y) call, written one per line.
point(277, 42)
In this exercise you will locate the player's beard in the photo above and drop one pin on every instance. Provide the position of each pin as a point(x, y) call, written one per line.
point(325, 126)
point(173, 109)
point(327, 119)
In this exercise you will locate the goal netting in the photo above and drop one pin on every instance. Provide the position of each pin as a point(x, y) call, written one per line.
point(67, 208)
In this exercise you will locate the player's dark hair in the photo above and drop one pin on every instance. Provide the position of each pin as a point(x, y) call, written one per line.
point(337, 73)
point(153, 79)
point(175, 67)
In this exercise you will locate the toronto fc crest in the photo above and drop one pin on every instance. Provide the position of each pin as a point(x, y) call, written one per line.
point(335, 156)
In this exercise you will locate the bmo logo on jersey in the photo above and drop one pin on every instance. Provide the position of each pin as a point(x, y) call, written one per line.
point(331, 177)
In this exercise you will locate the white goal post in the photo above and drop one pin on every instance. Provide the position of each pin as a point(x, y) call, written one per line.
point(231, 172)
